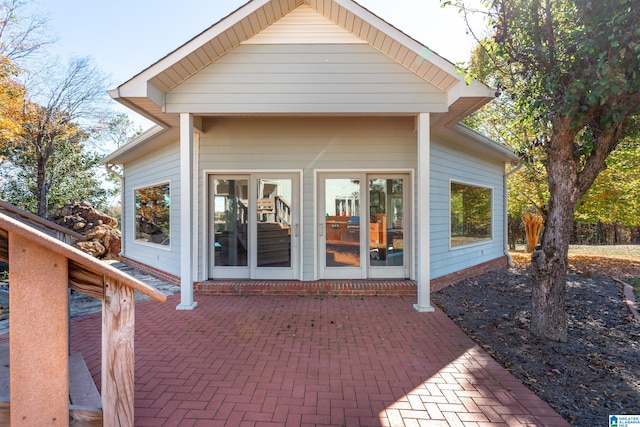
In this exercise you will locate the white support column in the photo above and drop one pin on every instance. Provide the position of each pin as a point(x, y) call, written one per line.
point(423, 273)
point(187, 198)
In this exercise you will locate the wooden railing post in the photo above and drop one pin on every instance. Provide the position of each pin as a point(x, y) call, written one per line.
point(41, 270)
point(38, 343)
point(118, 328)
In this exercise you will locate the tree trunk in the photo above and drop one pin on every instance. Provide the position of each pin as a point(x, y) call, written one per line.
point(549, 272)
point(549, 262)
point(549, 278)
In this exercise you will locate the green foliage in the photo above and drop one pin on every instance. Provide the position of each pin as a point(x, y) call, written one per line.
point(570, 59)
point(72, 174)
point(45, 160)
point(615, 194)
point(570, 67)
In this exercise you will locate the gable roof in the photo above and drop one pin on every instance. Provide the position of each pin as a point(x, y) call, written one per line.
point(144, 93)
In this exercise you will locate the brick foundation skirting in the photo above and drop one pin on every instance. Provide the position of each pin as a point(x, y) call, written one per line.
point(320, 287)
point(315, 288)
point(450, 279)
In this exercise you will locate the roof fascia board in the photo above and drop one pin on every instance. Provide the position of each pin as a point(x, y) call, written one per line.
point(156, 95)
point(134, 143)
point(135, 86)
point(474, 89)
point(420, 49)
point(488, 144)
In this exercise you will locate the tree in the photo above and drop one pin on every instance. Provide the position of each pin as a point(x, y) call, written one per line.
point(64, 109)
point(614, 197)
point(573, 68)
point(505, 121)
point(48, 119)
point(19, 39)
point(72, 174)
point(11, 104)
point(21, 34)
point(118, 130)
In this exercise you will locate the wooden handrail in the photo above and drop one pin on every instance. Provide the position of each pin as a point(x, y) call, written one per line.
point(11, 209)
point(42, 269)
point(81, 260)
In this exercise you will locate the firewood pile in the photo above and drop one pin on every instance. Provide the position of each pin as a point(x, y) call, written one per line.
point(102, 239)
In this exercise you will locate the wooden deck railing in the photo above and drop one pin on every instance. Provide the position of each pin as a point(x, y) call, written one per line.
point(41, 224)
point(42, 269)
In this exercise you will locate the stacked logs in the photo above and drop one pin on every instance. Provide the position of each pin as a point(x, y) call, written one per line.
point(102, 238)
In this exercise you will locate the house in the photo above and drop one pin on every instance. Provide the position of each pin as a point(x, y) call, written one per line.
point(309, 140)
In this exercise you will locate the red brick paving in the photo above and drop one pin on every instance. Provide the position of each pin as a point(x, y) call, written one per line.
point(311, 361)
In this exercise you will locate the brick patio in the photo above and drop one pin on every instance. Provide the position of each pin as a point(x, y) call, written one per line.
point(312, 361)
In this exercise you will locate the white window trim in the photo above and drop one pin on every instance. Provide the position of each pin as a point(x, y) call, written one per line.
point(171, 216)
point(493, 210)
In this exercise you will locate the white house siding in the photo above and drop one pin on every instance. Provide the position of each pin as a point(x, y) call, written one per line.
point(304, 78)
point(308, 144)
point(450, 163)
point(160, 166)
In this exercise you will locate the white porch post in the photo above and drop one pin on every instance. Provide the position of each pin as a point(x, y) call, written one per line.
point(186, 212)
point(423, 273)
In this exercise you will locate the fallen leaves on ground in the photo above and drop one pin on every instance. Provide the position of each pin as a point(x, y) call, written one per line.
point(591, 265)
point(594, 374)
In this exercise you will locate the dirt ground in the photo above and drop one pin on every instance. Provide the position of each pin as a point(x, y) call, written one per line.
point(597, 372)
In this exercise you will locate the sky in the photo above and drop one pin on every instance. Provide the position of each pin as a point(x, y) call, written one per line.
point(126, 36)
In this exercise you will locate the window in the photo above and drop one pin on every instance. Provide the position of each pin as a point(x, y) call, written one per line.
point(471, 214)
point(153, 214)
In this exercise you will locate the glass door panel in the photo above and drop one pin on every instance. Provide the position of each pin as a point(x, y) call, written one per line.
point(230, 222)
point(230, 217)
point(273, 222)
point(342, 219)
point(386, 231)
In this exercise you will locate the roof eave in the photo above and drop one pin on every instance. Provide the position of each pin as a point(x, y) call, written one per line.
point(465, 136)
point(118, 156)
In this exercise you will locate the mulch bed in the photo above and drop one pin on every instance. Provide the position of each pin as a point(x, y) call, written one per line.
point(596, 373)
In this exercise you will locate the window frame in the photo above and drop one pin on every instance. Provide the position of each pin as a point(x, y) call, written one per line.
point(135, 213)
point(482, 241)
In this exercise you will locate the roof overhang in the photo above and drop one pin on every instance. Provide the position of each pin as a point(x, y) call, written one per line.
point(145, 143)
point(474, 142)
point(144, 93)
